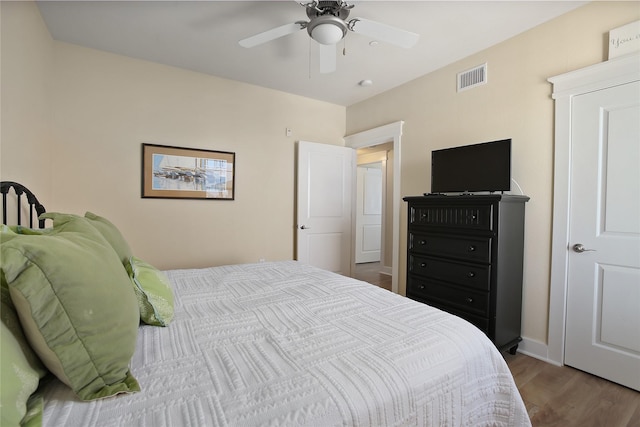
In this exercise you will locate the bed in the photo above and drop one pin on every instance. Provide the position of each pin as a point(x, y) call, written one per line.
point(281, 343)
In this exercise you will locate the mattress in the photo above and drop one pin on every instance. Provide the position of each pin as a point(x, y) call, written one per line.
point(285, 343)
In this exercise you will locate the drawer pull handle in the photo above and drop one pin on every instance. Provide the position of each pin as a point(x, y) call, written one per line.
point(422, 286)
point(423, 242)
point(471, 275)
point(469, 300)
point(423, 264)
point(471, 248)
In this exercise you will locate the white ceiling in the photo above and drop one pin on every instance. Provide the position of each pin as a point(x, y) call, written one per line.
point(203, 36)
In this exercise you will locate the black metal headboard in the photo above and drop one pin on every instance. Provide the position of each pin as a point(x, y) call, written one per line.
point(32, 203)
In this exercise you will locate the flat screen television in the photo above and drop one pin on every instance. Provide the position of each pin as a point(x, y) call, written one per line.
point(472, 168)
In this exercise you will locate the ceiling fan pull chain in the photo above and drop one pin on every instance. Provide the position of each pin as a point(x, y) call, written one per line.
point(309, 59)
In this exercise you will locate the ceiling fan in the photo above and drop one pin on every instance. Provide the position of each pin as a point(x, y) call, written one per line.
point(328, 25)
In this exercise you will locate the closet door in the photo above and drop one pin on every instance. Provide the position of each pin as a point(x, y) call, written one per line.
point(603, 289)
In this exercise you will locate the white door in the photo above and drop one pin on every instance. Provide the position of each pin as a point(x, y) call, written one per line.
point(368, 213)
point(603, 300)
point(324, 206)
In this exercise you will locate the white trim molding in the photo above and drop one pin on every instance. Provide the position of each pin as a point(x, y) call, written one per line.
point(614, 72)
point(535, 349)
point(391, 132)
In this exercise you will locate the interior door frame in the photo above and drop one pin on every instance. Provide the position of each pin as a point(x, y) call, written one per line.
point(391, 132)
point(566, 86)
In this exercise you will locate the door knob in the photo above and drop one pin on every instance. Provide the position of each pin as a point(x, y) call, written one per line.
point(304, 227)
point(579, 248)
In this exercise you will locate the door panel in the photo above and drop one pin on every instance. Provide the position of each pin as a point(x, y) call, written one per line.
point(324, 206)
point(603, 302)
point(322, 251)
point(371, 241)
point(620, 308)
point(368, 214)
point(621, 209)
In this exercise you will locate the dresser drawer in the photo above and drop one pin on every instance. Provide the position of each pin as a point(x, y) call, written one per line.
point(480, 322)
point(465, 248)
point(467, 300)
point(474, 276)
point(470, 217)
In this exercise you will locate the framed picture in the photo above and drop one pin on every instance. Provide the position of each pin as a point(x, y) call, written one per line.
point(187, 173)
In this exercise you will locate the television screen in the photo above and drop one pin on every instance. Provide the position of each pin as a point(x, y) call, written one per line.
point(469, 168)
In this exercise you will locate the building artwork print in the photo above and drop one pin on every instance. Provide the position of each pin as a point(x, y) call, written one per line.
point(187, 173)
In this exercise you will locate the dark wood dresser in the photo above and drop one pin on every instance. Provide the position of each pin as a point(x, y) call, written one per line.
point(464, 256)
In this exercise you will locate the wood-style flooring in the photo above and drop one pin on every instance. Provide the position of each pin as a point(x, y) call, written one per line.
point(555, 396)
point(567, 397)
point(370, 272)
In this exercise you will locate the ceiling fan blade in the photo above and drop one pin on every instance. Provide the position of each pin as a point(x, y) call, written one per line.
point(383, 32)
point(327, 58)
point(271, 34)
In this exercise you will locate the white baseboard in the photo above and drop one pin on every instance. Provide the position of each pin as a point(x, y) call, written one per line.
point(386, 270)
point(536, 349)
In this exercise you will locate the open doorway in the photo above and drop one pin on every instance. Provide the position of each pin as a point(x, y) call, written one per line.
point(373, 232)
point(388, 136)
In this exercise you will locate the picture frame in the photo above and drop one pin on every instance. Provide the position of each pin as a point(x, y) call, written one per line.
point(187, 173)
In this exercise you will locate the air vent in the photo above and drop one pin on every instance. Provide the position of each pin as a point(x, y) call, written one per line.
point(471, 78)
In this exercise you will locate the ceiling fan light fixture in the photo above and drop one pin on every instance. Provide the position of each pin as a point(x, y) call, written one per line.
point(327, 30)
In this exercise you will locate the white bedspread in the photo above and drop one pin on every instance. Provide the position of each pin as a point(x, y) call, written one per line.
point(288, 344)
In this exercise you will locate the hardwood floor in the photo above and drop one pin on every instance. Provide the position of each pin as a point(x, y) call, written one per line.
point(370, 272)
point(564, 396)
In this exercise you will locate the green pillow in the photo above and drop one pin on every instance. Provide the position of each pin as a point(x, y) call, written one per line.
point(35, 407)
point(153, 290)
point(21, 369)
point(75, 304)
point(111, 233)
point(18, 229)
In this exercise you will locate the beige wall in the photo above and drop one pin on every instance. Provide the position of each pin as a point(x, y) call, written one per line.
point(94, 109)
point(515, 103)
point(27, 61)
